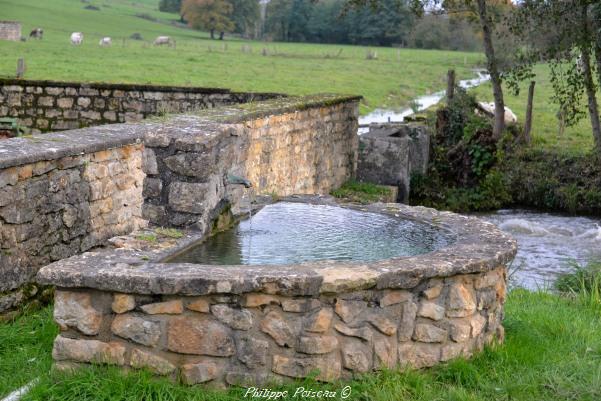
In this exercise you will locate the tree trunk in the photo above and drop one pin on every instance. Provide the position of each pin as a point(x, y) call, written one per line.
point(597, 38)
point(593, 109)
point(589, 83)
point(528, 123)
point(221, 34)
point(212, 34)
point(491, 63)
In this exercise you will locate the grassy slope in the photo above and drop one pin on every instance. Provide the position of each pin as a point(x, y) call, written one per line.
point(392, 80)
point(552, 352)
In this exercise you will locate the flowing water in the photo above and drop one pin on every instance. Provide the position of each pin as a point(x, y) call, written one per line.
point(289, 233)
point(422, 103)
point(548, 244)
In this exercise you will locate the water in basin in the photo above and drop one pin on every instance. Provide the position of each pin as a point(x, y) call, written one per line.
point(289, 233)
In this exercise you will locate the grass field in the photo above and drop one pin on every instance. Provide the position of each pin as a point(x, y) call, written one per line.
point(552, 352)
point(575, 140)
point(391, 80)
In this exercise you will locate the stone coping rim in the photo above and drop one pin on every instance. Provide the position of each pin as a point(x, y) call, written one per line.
point(52, 146)
point(480, 247)
point(128, 86)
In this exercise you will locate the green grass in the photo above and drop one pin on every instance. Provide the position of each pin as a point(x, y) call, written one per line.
point(25, 346)
point(362, 192)
point(575, 140)
point(552, 352)
point(392, 80)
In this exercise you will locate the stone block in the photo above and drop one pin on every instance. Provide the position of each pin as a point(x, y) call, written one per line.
point(393, 297)
point(328, 368)
point(146, 360)
point(194, 198)
point(65, 102)
point(199, 305)
point(197, 373)
point(431, 310)
point(238, 319)
point(363, 333)
point(255, 300)
point(199, 335)
point(174, 307)
point(66, 349)
point(460, 302)
point(356, 356)
point(320, 321)
point(317, 344)
point(75, 309)
point(407, 323)
point(418, 355)
point(349, 310)
point(428, 333)
point(137, 329)
point(123, 303)
point(252, 351)
point(279, 329)
point(300, 305)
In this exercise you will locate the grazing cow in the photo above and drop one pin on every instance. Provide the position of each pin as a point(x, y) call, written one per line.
point(105, 42)
point(76, 38)
point(37, 33)
point(164, 40)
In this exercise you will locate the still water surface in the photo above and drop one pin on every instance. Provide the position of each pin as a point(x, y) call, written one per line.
point(289, 233)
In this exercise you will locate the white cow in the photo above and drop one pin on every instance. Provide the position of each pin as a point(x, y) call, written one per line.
point(105, 42)
point(76, 38)
point(164, 40)
point(489, 109)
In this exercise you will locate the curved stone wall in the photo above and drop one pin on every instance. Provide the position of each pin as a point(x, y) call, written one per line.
point(261, 324)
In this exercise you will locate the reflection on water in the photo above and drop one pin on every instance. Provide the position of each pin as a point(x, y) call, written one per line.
point(548, 244)
point(288, 233)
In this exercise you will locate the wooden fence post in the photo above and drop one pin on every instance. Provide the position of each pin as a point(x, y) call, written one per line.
point(21, 68)
point(528, 122)
point(450, 85)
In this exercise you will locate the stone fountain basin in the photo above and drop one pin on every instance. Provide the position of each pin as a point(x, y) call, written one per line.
point(249, 325)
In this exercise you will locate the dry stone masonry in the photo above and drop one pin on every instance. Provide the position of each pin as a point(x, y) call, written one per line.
point(64, 193)
point(256, 325)
point(10, 30)
point(53, 106)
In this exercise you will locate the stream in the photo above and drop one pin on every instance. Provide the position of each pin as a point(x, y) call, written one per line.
point(422, 103)
point(548, 244)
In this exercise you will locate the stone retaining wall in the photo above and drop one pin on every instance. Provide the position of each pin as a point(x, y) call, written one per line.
point(53, 209)
point(64, 193)
point(54, 106)
point(257, 338)
point(306, 151)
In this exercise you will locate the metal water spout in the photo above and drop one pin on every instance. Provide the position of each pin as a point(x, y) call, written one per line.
point(237, 180)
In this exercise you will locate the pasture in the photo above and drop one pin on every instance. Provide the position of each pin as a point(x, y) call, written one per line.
point(391, 81)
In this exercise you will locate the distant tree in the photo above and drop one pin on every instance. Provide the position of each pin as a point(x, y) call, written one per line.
point(246, 16)
point(277, 21)
point(170, 6)
point(211, 15)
